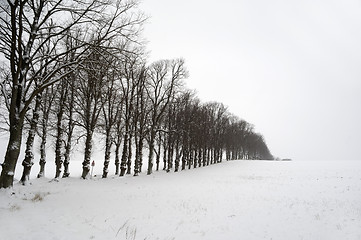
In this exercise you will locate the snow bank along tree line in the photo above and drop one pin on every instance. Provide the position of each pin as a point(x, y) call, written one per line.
point(76, 68)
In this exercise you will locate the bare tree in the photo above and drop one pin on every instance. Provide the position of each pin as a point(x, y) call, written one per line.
point(29, 155)
point(118, 136)
point(129, 90)
point(140, 118)
point(70, 111)
point(89, 101)
point(47, 100)
point(164, 79)
point(111, 110)
point(21, 28)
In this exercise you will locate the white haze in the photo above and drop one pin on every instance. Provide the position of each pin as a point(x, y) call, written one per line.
point(292, 68)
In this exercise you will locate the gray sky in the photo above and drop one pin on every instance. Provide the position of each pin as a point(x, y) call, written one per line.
point(292, 68)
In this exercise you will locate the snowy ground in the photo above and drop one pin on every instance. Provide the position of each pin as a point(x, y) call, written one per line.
point(233, 200)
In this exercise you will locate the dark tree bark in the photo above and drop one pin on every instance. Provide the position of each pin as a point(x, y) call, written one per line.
point(140, 118)
point(59, 156)
point(48, 97)
point(123, 163)
point(129, 160)
point(42, 160)
point(28, 161)
point(159, 144)
point(69, 141)
point(71, 124)
point(108, 144)
point(118, 138)
point(177, 156)
point(117, 162)
point(12, 151)
point(165, 151)
point(87, 155)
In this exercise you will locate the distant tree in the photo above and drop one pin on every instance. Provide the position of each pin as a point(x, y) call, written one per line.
point(111, 110)
point(117, 139)
point(128, 88)
point(187, 100)
point(89, 101)
point(59, 138)
point(164, 79)
point(70, 112)
point(47, 100)
point(140, 118)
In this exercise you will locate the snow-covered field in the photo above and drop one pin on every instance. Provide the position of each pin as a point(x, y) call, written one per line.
point(233, 200)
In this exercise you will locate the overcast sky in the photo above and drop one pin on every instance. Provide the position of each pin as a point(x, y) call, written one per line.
point(291, 68)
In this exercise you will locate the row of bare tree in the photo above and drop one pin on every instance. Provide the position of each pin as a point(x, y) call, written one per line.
point(78, 68)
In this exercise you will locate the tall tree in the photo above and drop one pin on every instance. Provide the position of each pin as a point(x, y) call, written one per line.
point(70, 111)
point(111, 112)
point(128, 86)
point(140, 118)
point(29, 155)
point(22, 23)
point(47, 100)
point(164, 79)
point(89, 99)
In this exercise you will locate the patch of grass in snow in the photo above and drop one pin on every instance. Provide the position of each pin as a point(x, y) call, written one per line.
point(130, 231)
point(14, 208)
point(38, 197)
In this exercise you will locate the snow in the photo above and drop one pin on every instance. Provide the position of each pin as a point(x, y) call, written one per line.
point(15, 145)
point(233, 200)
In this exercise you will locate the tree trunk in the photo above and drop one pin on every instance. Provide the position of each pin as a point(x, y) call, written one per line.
point(136, 160)
point(195, 160)
point(87, 154)
point(151, 152)
point(200, 155)
point(177, 157)
point(139, 156)
point(117, 162)
point(108, 145)
point(164, 155)
point(69, 133)
point(59, 140)
point(141, 146)
point(12, 153)
point(129, 161)
point(67, 154)
point(204, 157)
point(28, 161)
point(157, 160)
point(190, 161)
point(170, 156)
point(208, 156)
point(184, 157)
point(42, 161)
point(123, 164)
